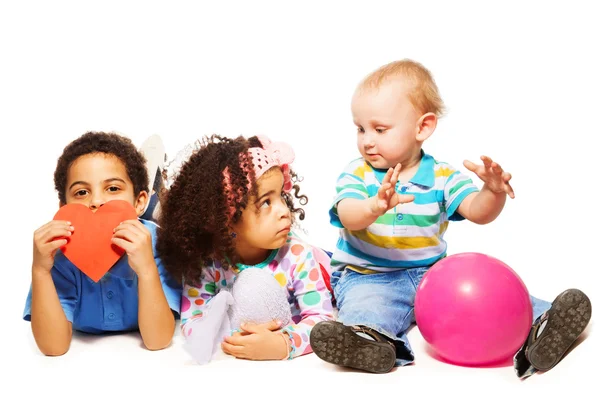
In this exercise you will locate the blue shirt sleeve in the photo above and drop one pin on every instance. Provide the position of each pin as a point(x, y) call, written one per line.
point(348, 186)
point(458, 186)
point(171, 288)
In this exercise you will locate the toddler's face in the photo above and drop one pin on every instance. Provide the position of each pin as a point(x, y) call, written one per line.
point(94, 179)
point(266, 220)
point(387, 124)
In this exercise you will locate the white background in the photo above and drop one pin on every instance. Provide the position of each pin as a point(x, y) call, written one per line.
point(521, 83)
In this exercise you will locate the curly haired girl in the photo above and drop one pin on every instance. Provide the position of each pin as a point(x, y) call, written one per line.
point(230, 208)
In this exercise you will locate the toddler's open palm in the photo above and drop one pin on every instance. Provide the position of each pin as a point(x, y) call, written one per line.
point(387, 197)
point(492, 174)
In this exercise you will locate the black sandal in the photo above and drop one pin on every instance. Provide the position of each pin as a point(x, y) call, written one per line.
point(566, 320)
point(339, 344)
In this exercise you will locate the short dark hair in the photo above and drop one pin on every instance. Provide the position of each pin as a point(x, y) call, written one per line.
point(107, 143)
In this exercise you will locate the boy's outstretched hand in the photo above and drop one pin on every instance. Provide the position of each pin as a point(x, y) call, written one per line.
point(387, 197)
point(492, 174)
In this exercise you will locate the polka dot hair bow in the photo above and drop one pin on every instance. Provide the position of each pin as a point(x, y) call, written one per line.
point(273, 154)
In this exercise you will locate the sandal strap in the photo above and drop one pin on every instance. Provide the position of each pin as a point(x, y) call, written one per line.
point(378, 337)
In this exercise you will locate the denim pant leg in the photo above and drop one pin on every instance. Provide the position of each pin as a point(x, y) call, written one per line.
point(539, 307)
point(382, 301)
point(521, 364)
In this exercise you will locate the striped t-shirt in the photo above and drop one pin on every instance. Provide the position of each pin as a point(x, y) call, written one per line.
point(408, 235)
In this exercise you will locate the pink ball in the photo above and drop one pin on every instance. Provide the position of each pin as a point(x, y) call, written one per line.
point(473, 309)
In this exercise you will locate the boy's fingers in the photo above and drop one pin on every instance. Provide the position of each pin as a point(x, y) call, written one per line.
point(382, 193)
point(388, 176)
point(487, 162)
point(395, 174)
point(56, 244)
point(470, 166)
point(124, 244)
point(54, 233)
point(405, 198)
point(510, 191)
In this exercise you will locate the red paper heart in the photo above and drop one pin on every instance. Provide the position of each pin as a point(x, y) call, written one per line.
point(89, 246)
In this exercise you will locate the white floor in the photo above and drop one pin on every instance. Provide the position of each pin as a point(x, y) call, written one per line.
point(118, 366)
point(521, 83)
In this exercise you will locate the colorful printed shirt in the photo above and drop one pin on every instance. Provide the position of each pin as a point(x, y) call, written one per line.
point(297, 266)
point(408, 235)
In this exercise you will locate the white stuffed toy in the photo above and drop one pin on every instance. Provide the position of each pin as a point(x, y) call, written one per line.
point(255, 297)
point(258, 298)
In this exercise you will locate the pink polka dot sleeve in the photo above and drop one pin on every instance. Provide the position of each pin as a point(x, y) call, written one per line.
point(312, 297)
point(195, 298)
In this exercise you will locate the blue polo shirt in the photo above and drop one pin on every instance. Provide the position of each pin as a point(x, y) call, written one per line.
point(110, 304)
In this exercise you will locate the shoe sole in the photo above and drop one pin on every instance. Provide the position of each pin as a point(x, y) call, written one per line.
point(339, 344)
point(568, 317)
point(154, 151)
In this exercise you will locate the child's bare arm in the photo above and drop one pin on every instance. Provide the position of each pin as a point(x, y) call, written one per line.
point(356, 214)
point(51, 329)
point(482, 207)
point(155, 318)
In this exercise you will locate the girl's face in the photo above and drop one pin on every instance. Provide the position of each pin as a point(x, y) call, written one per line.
point(266, 220)
point(94, 179)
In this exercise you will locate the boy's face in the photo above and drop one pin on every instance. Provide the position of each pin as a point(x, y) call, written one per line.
point(387, 124)
point(266, 220)
point(94, 179)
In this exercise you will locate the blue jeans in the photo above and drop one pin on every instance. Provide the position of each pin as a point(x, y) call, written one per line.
point(385, 303)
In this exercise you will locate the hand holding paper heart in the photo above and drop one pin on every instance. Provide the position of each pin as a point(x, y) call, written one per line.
point(133, 237)
point(46, 241)
point(89, 246)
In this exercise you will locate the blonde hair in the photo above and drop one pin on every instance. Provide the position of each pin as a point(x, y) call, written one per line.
point(423, 95)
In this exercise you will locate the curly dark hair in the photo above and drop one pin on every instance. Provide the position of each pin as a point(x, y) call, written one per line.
point(195, 215)
point(101, 142)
